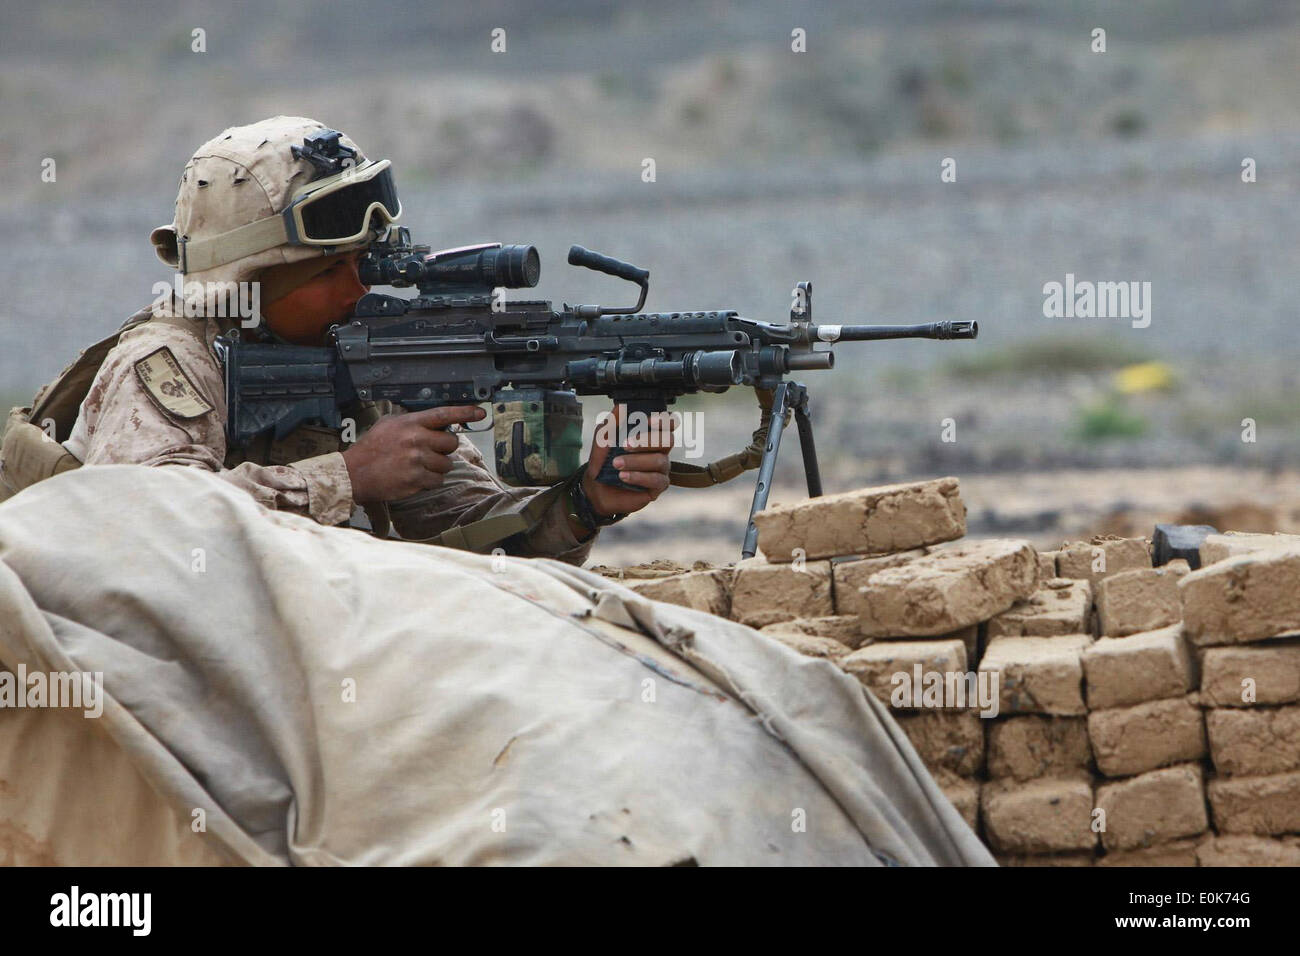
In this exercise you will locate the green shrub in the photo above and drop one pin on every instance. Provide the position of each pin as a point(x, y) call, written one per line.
point(1108, 419)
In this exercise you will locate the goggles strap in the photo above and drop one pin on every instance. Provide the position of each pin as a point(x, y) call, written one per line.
point(199, 255)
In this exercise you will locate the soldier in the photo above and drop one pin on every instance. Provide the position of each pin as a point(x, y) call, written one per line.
point(158, 398)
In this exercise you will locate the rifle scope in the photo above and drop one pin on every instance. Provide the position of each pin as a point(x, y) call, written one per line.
point(490, 266)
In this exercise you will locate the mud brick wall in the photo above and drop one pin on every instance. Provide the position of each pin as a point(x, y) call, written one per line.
point(1145, 716)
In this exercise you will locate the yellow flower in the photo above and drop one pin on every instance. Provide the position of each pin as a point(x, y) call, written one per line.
point(1143, 377)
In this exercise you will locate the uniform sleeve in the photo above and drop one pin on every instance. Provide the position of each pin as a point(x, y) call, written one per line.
point(470, 492)
point(121, 423)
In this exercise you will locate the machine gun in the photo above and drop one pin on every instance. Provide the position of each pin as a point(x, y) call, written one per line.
point(459, 342)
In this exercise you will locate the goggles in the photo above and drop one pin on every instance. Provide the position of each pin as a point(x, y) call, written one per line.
point(338, 210)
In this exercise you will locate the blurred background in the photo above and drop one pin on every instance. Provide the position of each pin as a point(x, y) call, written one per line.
point(771, 167)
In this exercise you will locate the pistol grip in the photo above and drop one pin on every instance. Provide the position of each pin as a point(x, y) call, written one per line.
point(608, 474)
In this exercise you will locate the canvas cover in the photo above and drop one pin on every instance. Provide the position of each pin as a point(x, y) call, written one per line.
point(318, 696)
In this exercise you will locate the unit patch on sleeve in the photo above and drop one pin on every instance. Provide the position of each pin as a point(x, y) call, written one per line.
point(169, 386)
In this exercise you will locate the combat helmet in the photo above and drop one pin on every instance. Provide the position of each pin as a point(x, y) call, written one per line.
point(282, 191)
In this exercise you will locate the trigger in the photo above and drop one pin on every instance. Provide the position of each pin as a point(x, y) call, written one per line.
point(488, 423)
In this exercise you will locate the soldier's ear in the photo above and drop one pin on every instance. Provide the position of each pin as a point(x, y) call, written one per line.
point(164, 244)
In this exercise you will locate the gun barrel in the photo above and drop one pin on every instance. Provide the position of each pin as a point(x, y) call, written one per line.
point(958, 329)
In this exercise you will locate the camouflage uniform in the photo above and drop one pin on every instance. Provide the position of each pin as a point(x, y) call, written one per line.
point(123, 422)
point(159, 397)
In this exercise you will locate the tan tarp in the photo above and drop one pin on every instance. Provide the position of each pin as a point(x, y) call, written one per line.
point(325, 697)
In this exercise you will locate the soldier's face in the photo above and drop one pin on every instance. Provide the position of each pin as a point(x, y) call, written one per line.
point(305, 314)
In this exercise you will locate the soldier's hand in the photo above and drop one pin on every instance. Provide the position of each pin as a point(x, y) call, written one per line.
point(644, 462)
point(404, 454)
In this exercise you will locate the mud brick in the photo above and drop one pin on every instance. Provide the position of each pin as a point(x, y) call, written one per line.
point(946, 739)
point(1257, 741)
point(1031, 746)
point(1082, 858)
point(866, 521)
point(1101, 557)
point(1184, 541)
point(1047, 564)
point(876, 665)
point(707, 591)
point(969, 637)
point(1261, 805)
point(1060, 606)
point(841, 628)
point(1134, 601)
point(763, 593)
point(949, 588)
point(1248, 851)
point(849, 576)
point(1041, 675)
point(1129, 740)
point(1047, 815)
point(1242, 599)
point(809, 645)
point(963, 793)
point(1217, 547)
point(1155, 807)
point(1130, 670)
point(1271, 667)
point(1176, 853)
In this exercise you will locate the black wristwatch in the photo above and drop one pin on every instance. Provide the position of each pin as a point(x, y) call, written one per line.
point(581, 511)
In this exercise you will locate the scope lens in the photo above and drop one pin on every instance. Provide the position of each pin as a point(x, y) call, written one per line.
point(517, 266)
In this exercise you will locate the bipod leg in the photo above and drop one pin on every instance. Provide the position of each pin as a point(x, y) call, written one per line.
point(776, 425)
point(802, 418)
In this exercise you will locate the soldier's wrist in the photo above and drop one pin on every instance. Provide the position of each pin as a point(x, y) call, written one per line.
point(581, 530)
point(581, 511)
